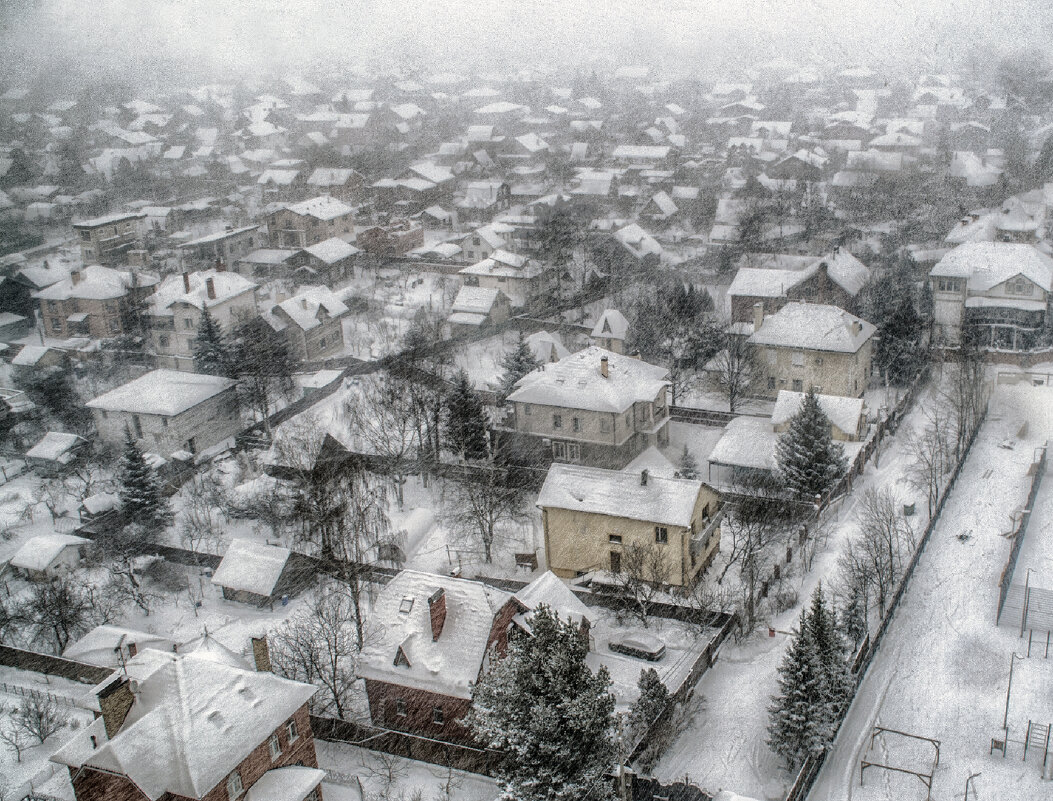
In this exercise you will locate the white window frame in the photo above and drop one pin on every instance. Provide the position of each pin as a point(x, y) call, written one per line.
point(235, 788)
point(291, 731)
point(275, 746)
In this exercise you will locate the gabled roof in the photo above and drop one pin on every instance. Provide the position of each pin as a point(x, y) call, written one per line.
point(813, 326)
point(548, 590)
point(56, 446)
point(332, 250)
point(322, 207)
point(448, 665)
point(843, 412)
point(250, 566)
point(162, 392)
point(37, 553)
point(616, 493)
point(475, 300)
point(987, 264)
point(226, 285)
point(99, 646)
point(96, 282)
point(192, 722)
point(575, 382)
point(304, 310)
point(611, 325)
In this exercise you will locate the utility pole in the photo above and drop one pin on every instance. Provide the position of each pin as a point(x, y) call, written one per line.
point(1005, 718)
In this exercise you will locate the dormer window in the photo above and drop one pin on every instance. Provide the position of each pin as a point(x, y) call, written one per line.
point(401, 660)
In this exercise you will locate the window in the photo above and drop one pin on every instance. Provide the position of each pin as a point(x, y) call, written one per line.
point(438, 717)
point(798, 385)
point(949, 284)
point(137, 425)
point(605, 425)
point(798, 358)
point(163, 340)
point(771, 382)
point(164, 422)
point(234, 788)
point(290, 729)
point(114, 327)
point(275, 747)
point(188, 323)
point(321, 343)
point(818, 361)
point(526, 409)
point(661, 534)
point(773, 357)
point(566, 451)
point(557, 421)
point(56, 324)
point(1019, 286)
point(400, 707)
point(575, 424)
point(614, 539)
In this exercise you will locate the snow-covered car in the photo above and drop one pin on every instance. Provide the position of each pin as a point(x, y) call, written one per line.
point(638, 644)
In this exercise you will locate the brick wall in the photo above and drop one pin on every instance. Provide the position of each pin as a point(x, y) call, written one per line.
point(419, 706)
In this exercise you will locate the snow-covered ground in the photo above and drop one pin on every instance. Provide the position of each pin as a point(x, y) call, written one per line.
point(943, 668)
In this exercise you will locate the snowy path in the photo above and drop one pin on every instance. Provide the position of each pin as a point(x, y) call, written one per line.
point(725, 747)
point(943, 667)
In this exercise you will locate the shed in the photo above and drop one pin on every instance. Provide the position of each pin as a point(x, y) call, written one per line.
point(47, 555)
point(253, 573)
point(55, 452)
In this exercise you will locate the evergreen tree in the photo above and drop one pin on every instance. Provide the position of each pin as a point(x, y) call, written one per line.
point(898, 353)
point(465, 420)
point(795, 727)
point(688, 464)
point(516, 364)
point(549, 713)
point(829, 646)
point(854, 617)
point(653, 699)
point(212, 352)
point(140, 491)
point(808, 460)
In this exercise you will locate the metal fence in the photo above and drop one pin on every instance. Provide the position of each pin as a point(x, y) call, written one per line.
point(1006, 579)
point(29, 692)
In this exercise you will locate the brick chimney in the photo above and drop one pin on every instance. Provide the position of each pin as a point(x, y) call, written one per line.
point(437, 612)
point(210, 288)
point(75, 276)
point(643, 478)
point(115, 701)
point(857, 328)
point(261, 654)
point(186, 283)
point(603, 367)
point(758, 315)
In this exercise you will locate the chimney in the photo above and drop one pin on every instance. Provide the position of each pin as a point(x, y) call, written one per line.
point(186, 283)
point(603, 366)
point(220, 266)
point(75, 276)
point(437, 612)
point(261, 654)
point(758, 315)
point(210, 287)
point(133, 649)
point(115, 701)
point(643, 478)
point(303, 303)
point(857, 328)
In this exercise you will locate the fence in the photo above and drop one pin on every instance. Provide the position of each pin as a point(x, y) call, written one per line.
point(29, 692)
point(52, 665)
point(1006, 579)
point(864, 656)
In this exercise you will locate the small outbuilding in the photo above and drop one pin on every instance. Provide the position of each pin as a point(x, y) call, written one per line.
point(48, 555)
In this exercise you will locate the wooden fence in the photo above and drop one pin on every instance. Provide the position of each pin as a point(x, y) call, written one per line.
point(1006, 579)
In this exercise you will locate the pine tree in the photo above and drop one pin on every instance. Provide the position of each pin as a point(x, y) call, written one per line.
point(551, 715)
point(808, 460)
point(142, 502)
point(795, 727)
point(212, 352)
point(829, 646)
point(516, 364)
point(688, 464)
point(466, 432)
point(854, 617)
point(652, 701)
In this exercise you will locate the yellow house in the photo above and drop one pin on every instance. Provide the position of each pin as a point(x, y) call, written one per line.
point(596, 519)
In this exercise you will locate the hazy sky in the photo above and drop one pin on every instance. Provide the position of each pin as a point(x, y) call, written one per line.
point(149, 38)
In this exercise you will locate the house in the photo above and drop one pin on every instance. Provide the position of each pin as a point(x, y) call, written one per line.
point(174, 311)
point(43, 557)
point(998, 291)
point(397, 238)
point(269, 263)
point(342, 183)
point(812, 345)
point(332, 260)
point(521, 278)
point(187, 726)
point(111, 646)
point(95, 301)
point(105, 240)
point(848, 421)
point(550, 591)
point(477, 307)
point(483, 241)
point(483, 199)
point(95, 506)
point(434, 639)
point(168, 411)
point(312, 323)
point(594, 406)
point(310, 222)
point(254, 573)
point(610, 331)
point(546, 347)
point(604, 520)
point(223, 247)
point(55, 452)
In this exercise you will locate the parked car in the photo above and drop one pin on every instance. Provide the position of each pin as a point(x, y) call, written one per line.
point(639, 645)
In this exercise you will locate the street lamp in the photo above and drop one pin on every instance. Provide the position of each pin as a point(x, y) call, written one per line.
point(1005, 718)
point(1027, 593)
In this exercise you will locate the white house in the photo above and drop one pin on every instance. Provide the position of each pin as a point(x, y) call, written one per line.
point(48, 555)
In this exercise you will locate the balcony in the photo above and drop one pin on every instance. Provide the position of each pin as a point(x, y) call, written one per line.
point(700, 541)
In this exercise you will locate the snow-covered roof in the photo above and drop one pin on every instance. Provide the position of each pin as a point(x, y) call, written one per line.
point(192, 721)
point(475, 300)
point(576, 382)
point(37, 553)
point(56, 446)
point(546, 347)
point(611, 325)
point(813, 326)
point(291, 783)
point(467, 318)
point(109, 219)
point(323, 207)
point(162, 392)
point(987, 264)
point(330, 176)
point(99, 646)
point(225, 285)
point(100, 502)
point(332, 250)
point(764, 283)
point(251, 567)
point(637, 240)
point(643, 152)
point(843, 412)
point(549, 590)
point(664, 203)
point(448, 665)
point(746, 442)
point(96, 282)
point(208, 647)
point(305, 308)
point(218, 236)
point(616, 493)
point(846, 270)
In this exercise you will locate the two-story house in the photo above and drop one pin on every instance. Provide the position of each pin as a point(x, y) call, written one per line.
point(521, 278)
point(998, 291)
point(310, 222)
point(604, 520)
point(95, 301)
point(594, 407)
point(812, 345)
point(168, 411)
point(174, 311)
point(105, 240)
point(188, 726)
point(222, 247)
point(312, 323)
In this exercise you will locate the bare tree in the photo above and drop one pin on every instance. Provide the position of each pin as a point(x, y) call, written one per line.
point(39, 716)
point(734, 368)
point(963, 389)
point(319, 645)
point(203, 498)
point(932, 451)
point(15, 738)
point(750, 538)
point(63, 609)
point(644, 572)
point(886, 541)
point(52, 494)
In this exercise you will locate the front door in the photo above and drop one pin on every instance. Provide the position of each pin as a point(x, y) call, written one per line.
point(616, 561)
